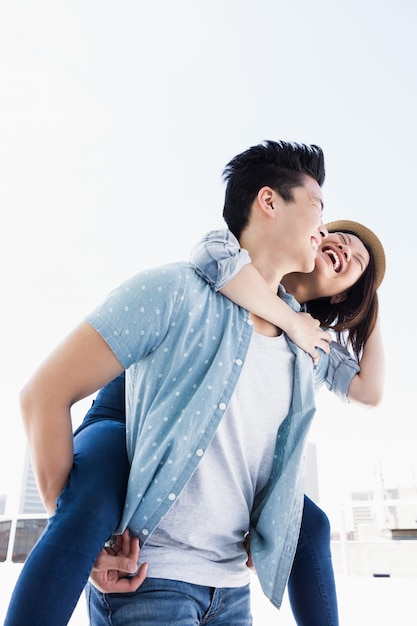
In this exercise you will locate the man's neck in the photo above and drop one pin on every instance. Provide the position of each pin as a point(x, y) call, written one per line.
point(271, 272)
point(294, 285)
point(270, 265)
point(269, 255)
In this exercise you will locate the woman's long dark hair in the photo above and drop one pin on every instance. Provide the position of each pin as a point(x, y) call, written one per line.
point(354, 319)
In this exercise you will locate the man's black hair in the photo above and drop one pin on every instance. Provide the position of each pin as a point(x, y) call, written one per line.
point(280, 165)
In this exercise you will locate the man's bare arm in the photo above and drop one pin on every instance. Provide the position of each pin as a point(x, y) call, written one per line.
point(81, 365)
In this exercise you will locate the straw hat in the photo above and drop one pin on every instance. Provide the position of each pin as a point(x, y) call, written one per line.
point(368, 238)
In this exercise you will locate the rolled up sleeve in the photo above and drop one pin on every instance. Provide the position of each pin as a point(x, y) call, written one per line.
point(342, 368)
point(218, 257)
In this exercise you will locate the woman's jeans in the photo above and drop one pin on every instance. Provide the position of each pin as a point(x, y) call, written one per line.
point(88, 511)
point(311, 587)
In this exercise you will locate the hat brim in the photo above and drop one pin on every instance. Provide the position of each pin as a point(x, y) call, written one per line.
point(369, 239)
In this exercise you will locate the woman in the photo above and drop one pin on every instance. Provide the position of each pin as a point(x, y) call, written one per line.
point(341, 293)
point(89, 508)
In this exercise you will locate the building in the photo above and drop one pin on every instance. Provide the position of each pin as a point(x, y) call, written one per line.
point(30, 500)
point(19, 532)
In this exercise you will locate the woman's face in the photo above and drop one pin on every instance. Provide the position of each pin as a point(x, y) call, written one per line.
point(341, 260)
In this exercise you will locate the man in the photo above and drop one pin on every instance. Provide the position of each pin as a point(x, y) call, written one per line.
point(209, 392)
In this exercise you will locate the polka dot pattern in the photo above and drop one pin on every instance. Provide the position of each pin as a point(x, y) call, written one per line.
point(183, 347)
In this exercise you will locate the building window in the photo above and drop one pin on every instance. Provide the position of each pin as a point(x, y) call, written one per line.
point(4, 538)
point(28, 532)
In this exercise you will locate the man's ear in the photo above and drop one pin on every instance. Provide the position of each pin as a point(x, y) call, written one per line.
point(265, 199)
point(337, 299)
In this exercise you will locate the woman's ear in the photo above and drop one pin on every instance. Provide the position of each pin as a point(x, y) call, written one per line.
point(337, 299)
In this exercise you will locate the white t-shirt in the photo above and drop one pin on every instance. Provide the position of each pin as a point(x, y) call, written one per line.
point(200, 540)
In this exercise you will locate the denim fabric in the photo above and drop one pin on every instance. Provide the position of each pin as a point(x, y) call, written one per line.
point(159, 602)
point(218, 257)
point(88, 511)
point(311, 587)
point(184, 346)
point(56, 571)
point(109, 404)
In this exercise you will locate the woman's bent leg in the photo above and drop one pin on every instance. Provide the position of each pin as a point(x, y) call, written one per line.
point(311, 587)
point(88, 511)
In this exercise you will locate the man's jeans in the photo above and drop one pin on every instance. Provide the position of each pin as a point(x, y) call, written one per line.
point(159, 602)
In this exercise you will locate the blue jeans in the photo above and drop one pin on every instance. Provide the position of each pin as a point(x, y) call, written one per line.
point(311, 587)
point(89, 509)
point(159, 602)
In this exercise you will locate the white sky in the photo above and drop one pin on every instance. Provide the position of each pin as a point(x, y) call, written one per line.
point(116, 119)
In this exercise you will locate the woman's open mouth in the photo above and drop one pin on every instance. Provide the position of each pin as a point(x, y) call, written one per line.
point(335, 257)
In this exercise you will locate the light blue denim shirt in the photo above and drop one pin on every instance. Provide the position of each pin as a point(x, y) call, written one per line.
point(183, 346)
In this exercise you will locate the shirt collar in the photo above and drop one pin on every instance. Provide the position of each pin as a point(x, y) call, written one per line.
point(290, 300)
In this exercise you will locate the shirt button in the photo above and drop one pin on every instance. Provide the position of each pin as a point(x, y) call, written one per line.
point(239, 362)
point(222, 406)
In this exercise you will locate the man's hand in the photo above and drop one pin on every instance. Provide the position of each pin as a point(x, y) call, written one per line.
point(307, 335)
point(115, 567)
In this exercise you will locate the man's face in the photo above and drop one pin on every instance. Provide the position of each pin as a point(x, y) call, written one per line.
point(341, 260)
point(303, 225)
